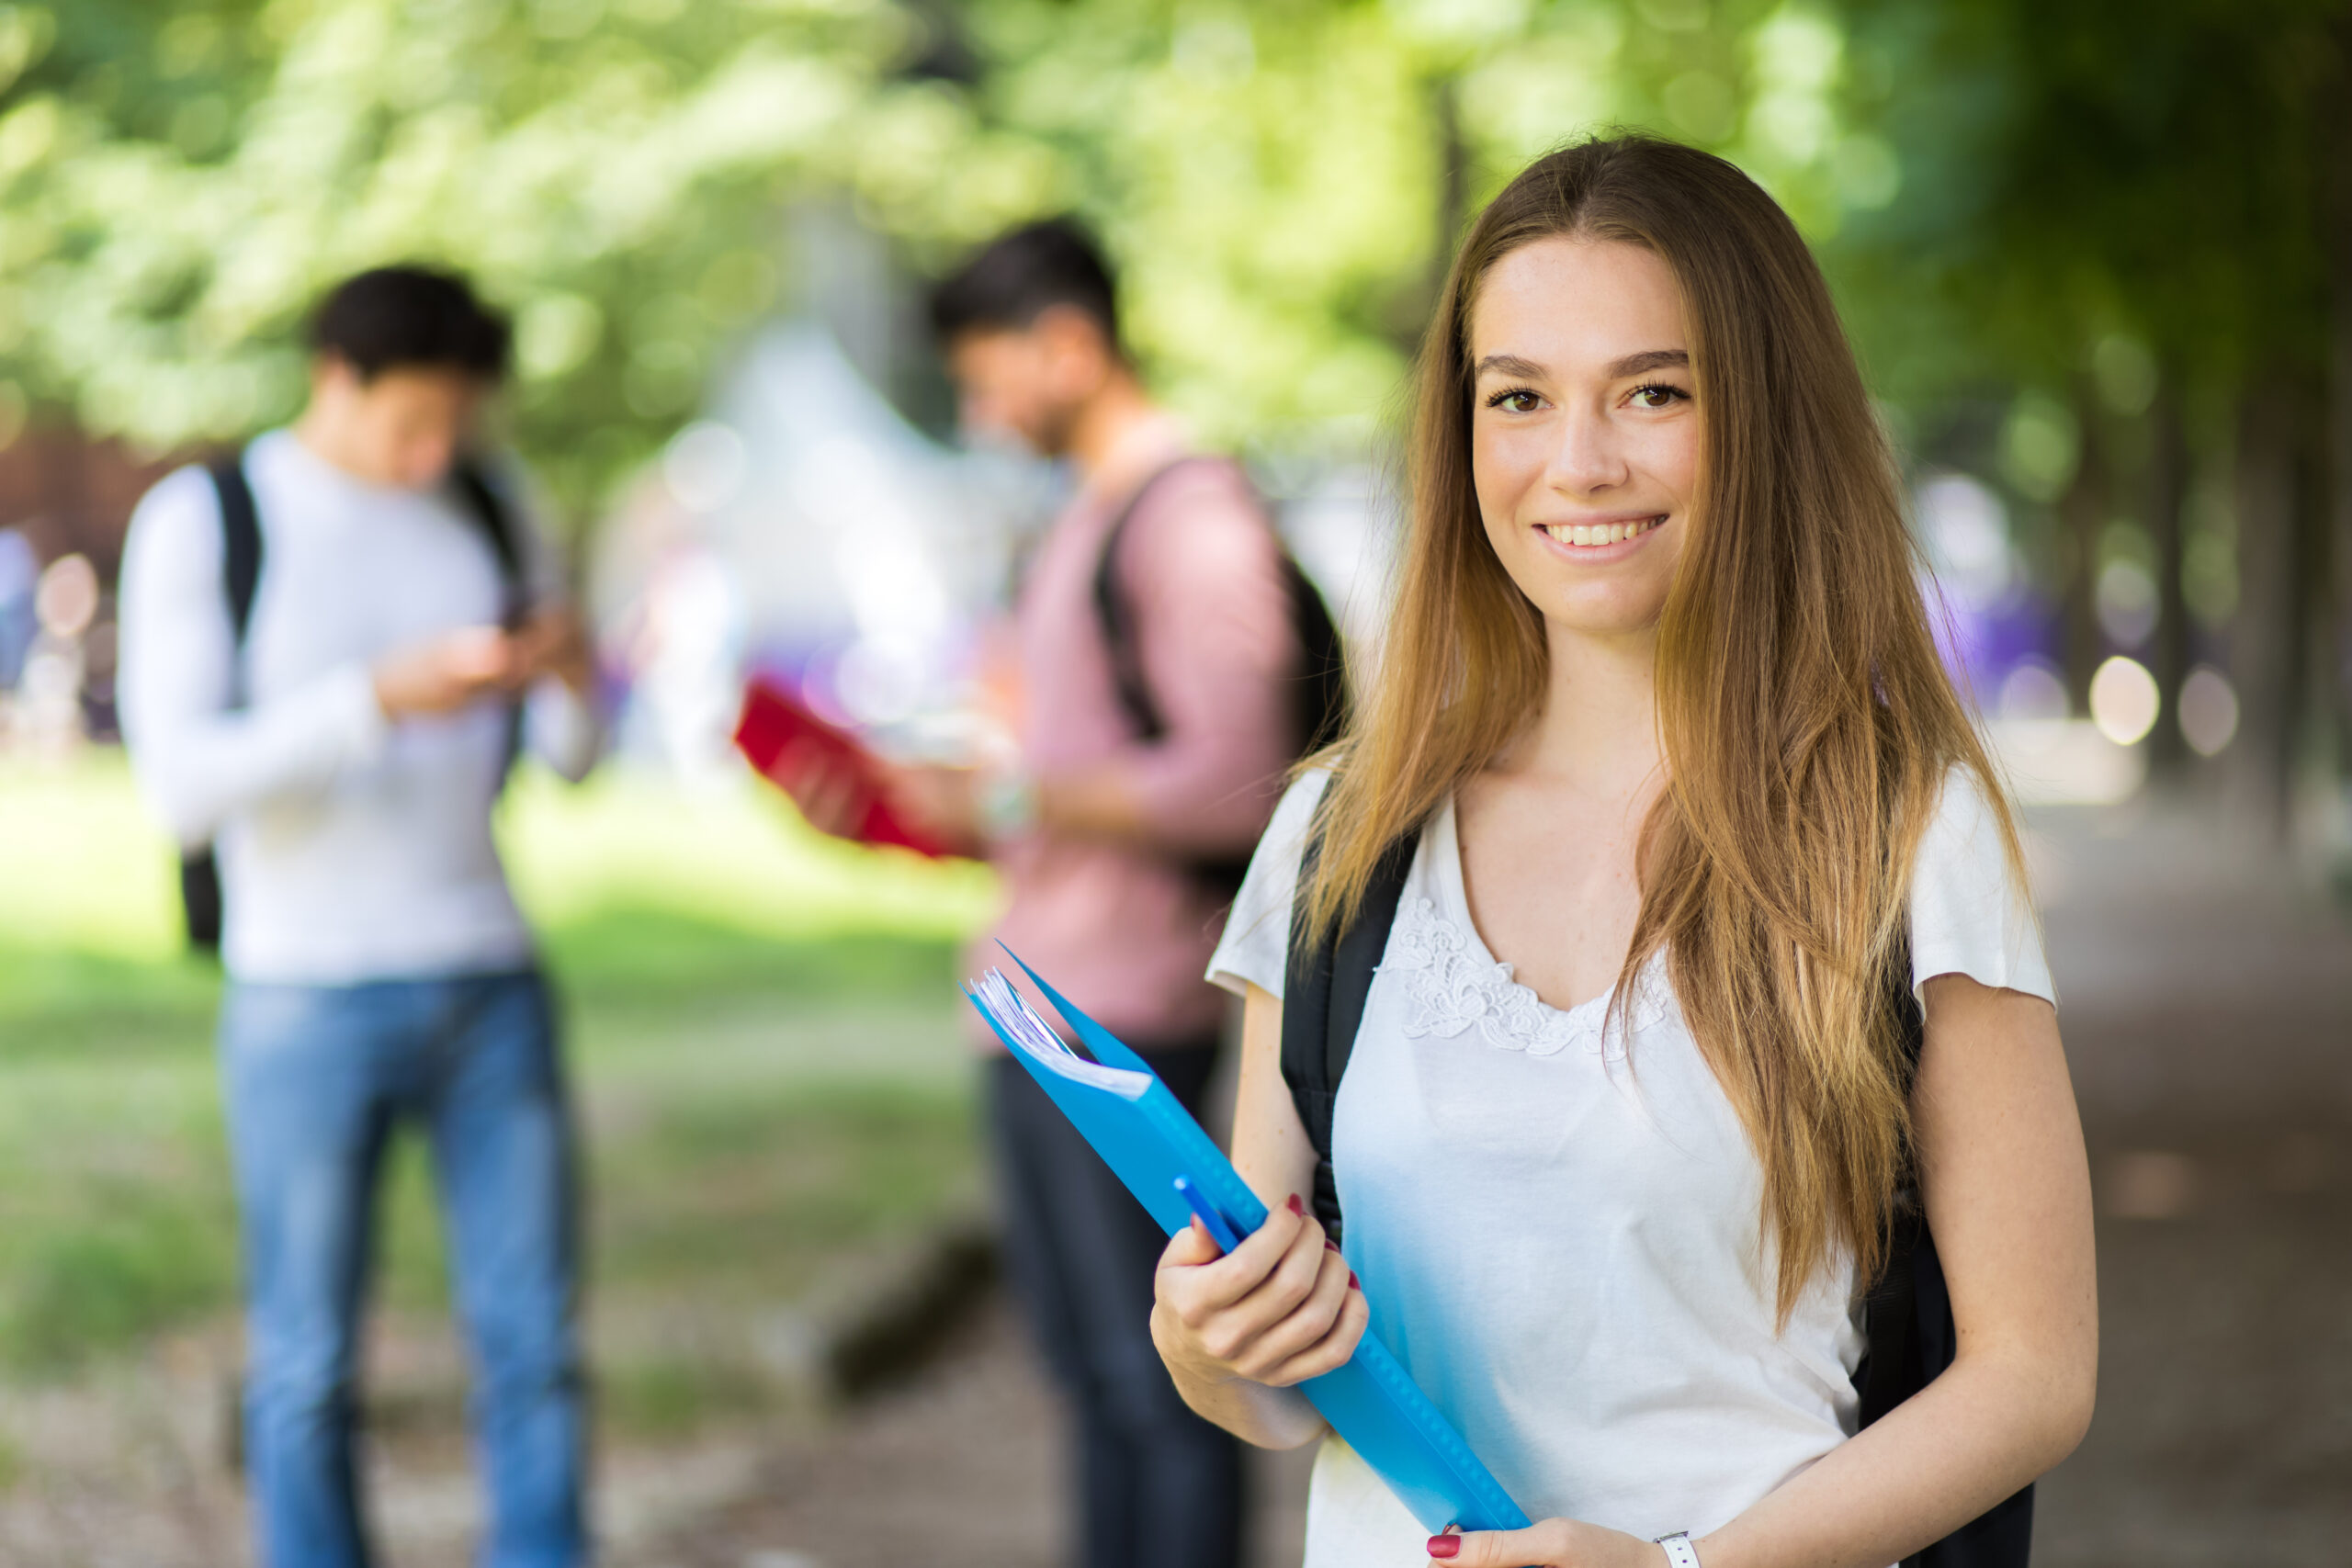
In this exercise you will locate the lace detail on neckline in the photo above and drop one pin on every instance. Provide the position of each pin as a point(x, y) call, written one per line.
point(1450, 986)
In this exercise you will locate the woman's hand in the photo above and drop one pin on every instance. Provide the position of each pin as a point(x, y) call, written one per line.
point(1550, 1543)
point(1283, 1307)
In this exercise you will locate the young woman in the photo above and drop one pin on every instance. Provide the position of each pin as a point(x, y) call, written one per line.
point(1627, 1110)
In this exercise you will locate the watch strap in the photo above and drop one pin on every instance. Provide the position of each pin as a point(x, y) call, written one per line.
point(1679, 1552)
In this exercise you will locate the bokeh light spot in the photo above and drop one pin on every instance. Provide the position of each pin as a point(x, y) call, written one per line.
point(2124, 701)
point(2209, 711)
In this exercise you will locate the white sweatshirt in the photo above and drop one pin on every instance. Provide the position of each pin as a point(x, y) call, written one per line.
point(352, 848)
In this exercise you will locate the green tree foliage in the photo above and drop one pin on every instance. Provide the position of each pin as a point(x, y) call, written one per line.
point(2085, 168)
point(1281, 179)
point(1997, 185)
point(1286, 179)
point(179, 181)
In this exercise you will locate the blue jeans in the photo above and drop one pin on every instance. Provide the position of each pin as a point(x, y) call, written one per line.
point(317, 1077)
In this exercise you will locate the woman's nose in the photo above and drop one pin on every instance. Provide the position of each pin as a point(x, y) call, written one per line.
point(1587, 456)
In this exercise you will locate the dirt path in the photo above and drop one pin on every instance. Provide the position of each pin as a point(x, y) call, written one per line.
point(2207, 998)
point(962, 1464)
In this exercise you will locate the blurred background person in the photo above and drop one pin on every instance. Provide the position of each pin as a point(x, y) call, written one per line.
point(1156, 656)
point(344, 746)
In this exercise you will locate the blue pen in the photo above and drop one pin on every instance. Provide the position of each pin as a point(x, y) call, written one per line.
point(1197, 1201)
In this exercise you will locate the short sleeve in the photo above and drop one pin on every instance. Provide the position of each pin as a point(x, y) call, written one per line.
point(1970, 914)
point(1255, 949)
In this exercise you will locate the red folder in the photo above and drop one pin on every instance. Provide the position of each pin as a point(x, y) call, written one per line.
point(781, 737)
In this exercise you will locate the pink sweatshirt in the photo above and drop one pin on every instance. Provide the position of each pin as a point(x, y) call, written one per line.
point(1124, 929)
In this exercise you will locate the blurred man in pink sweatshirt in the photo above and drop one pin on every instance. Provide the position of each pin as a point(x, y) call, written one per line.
point(1170, 665)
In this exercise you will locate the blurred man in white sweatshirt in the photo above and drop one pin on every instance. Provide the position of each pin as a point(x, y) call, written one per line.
point(331, 693)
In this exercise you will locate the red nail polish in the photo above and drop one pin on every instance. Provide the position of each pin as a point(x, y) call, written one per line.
point(1444, 1545)
point(1330, 1245)
point(1296, 1207)
point(1351, 1280)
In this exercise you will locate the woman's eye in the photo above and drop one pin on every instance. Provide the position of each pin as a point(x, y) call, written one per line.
point(1518, 401)
point(1657, 396)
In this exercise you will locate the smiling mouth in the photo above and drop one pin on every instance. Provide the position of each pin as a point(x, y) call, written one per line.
point(1601, 532)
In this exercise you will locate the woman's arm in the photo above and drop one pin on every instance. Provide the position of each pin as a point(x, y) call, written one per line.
point(1239, 1331)
point(2007, 1192)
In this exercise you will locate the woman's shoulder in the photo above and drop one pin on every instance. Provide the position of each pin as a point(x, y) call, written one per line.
point(1971, 909)
point(1970, 834)
point(1254, 950)
point(1294, 818)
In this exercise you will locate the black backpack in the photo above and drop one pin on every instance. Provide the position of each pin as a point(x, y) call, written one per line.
point(1319, 691)
point(1907, 1315)
point(241, 558)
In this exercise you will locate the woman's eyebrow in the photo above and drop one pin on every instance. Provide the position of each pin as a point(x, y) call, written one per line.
point(1653, 359)
point(1509, 364)
point(1631, 365)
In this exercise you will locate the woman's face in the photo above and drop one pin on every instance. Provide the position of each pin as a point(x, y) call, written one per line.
point(1583, 430)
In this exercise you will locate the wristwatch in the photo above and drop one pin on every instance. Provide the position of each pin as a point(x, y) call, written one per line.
point(1006, 802)
point(1679, 1552)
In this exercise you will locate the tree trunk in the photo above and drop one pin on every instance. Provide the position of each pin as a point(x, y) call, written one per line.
point(2335, 640)
point(2168, 496)
point(2265, 635)
point(2082, 514)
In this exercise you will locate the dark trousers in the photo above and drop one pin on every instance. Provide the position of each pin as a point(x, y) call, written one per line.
point(1158, 1486)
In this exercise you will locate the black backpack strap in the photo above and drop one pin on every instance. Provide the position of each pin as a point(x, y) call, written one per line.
point(1909, 1328)
point(1116, 617)
point(240, 543)
point(200, 901)
point(1891, 1369)
point(1319, 696)
point(497, 523)
point(1326, 982)
point(1321, 708)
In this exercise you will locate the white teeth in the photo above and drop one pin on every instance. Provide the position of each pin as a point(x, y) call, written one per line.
point(1600, 532)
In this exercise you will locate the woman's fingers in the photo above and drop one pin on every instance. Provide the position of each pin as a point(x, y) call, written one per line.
point(1238, 1335)
point(1304, 1324)
point(1218, 1284)
point(1292, 1279)
point(1281, 1308)
point(1189, 1248)
point(1550, 1543)
point(1330, 1350)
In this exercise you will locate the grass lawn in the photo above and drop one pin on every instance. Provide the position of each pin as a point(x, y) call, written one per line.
point(763, 1035)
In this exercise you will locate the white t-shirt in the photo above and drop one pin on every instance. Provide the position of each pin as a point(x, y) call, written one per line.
point(351, 847)
point(1559, 1232)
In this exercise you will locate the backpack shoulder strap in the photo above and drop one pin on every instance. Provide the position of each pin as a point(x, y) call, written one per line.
point(1893, 1365)
point(497, 523)
point(1326, 982)
point(496, 520)
point(200, 901)
point(240, 541)
point(1116, 617)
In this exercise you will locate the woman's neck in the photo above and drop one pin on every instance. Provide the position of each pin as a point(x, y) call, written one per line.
point(1597, 728)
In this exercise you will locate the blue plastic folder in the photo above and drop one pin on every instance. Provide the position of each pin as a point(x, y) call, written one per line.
point(1145, 1137)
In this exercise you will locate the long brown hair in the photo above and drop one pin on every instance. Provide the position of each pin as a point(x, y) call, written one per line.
point(1807, 723)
